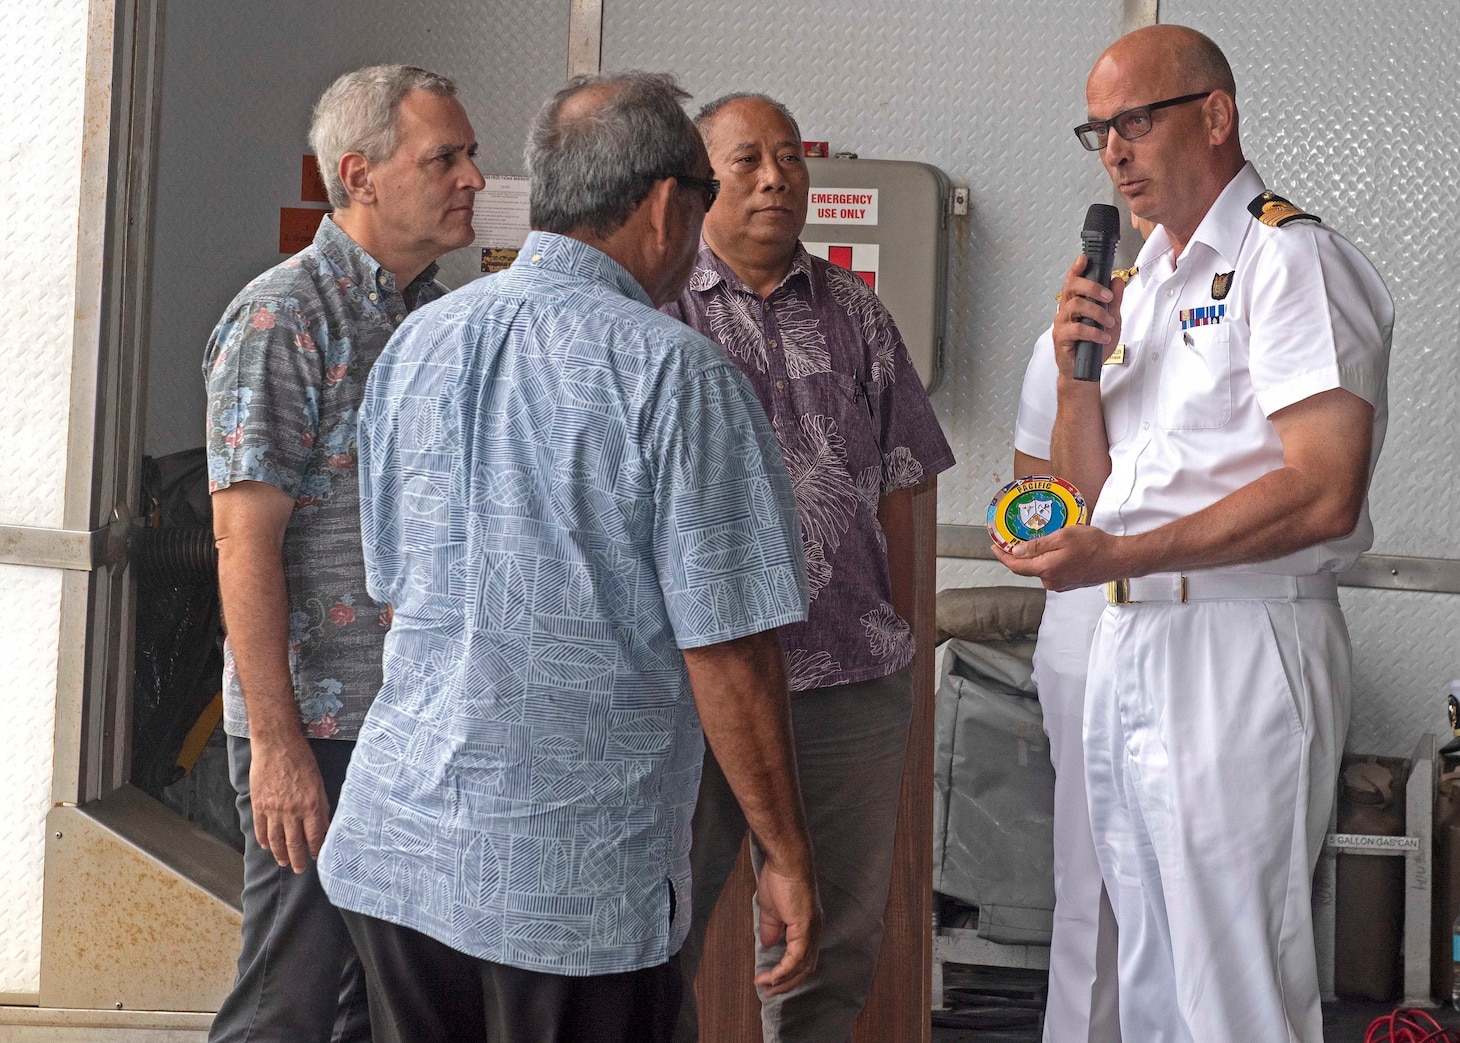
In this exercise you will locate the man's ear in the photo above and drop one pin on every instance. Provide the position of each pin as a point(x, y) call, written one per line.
point(658, 208)
point(355, 175)
point(1221, 117)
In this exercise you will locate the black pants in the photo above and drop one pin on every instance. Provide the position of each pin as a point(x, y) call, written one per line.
point(298, 979)
point(422, 991)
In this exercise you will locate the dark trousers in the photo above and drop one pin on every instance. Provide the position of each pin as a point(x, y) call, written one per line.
point(423, 991)
point(850, 745)
point(298, 978)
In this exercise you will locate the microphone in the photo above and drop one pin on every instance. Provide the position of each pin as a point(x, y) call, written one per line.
point(1100, 237)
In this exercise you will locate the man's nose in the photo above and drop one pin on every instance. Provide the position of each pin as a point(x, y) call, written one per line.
point(772, 177)
point(1116, 149)
point(474, 179)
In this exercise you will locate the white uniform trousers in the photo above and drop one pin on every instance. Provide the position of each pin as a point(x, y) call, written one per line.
point(1082, 1006)
point(1213, 736)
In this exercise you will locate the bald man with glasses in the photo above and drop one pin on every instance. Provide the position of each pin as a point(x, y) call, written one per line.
point(1226, 451)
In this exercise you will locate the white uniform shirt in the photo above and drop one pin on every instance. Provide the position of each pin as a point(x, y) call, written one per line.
point(1302, 312)
point(1035, 422)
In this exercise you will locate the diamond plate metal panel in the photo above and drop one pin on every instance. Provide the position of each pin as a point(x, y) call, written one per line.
point(238, 84)
point(1352, 118)
point(30, 612)
point(1404, 660)
point(43, 53)
point(985, 90)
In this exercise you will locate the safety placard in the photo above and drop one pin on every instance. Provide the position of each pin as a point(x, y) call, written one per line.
point(500, 220)
point(842, 206)
point(860, 258)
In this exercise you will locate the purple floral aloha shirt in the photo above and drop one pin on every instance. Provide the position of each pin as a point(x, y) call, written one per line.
point(855, 425)
point(285, 371)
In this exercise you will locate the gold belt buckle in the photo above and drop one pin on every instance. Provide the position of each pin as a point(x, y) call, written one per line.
point(1117, 592)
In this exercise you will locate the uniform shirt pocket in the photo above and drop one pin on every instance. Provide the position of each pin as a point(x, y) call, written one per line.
point(1195, 391)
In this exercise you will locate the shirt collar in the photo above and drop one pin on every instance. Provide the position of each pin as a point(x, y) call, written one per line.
point(1224, 226)
point(548, 251)
point(356, 263)
point(710, 271)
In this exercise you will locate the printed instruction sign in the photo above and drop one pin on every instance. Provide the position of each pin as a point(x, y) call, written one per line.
point(842, 206)
point(500, 220)
point(862, 259)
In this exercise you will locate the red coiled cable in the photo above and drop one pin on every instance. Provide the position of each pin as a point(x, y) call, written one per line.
point(1409, 1026)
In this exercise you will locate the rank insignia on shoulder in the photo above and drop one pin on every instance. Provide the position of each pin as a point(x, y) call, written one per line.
point(1272, 209)
point(1222, 285)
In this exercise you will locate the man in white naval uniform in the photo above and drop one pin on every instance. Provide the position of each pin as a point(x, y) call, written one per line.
point(1227, 456)
point(1082, 999)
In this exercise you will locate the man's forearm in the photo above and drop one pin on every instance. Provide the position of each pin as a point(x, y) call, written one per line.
point(740, 689)
point(1079, 448)
point(256, 611)
point(1278, 514)
point(895, 515)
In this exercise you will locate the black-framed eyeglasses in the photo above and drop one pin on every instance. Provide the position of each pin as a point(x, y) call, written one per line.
point(1130, 124)
point(708, 187)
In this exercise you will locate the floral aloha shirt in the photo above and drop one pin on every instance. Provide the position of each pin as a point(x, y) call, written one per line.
point(285, 371)
point(852, 419)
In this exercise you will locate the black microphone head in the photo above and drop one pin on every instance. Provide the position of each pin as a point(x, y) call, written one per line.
point(1102, 219)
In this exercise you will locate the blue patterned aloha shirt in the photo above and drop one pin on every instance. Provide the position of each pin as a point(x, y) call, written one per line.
point(562, 489)
point(851, 416)
point(285, 370)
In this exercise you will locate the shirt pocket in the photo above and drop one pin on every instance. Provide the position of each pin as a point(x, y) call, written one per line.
point(851, 405)
point(1119, 397)
point(1195, 391)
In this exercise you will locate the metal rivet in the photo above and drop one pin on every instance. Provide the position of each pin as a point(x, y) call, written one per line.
point(119, 1004)
point(58, 834)
point(1392, 572)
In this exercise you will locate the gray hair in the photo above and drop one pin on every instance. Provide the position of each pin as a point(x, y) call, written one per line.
point(706, 116)
point(592, 165)
point(361, 113)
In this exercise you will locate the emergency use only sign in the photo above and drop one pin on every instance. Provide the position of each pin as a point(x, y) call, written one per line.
point(843, 206)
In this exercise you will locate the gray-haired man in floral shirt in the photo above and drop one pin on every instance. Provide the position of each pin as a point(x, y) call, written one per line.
point(851, 417)
point(285, 372)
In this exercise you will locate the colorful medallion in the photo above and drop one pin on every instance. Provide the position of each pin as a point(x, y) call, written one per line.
point(1033, 507)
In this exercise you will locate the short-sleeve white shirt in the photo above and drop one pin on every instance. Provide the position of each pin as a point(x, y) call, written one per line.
point(1248, 320)
point(1034, 424)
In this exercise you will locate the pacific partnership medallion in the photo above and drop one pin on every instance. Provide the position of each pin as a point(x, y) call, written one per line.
point(1032, 507)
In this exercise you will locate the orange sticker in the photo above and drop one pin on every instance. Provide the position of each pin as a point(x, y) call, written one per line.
point(311, 185)
point(297, 226)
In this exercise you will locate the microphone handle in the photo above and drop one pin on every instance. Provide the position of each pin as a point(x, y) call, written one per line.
point(1099, 267)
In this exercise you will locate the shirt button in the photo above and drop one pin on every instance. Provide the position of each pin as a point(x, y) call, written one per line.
point(1170, 293)
point(1146, 426)
point(780, 385)
point(380, 278)
point(399, 317)
point(771, 343)
point(373, 297)
point(1155, 355)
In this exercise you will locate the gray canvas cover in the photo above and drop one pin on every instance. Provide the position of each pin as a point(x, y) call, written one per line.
point(993, 796)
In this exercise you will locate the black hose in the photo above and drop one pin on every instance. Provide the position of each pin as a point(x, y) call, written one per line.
point(175, 555)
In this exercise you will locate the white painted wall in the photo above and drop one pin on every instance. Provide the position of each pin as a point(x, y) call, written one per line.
point(43, 52)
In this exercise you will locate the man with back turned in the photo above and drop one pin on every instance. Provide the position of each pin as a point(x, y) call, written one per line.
point(579, 514)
